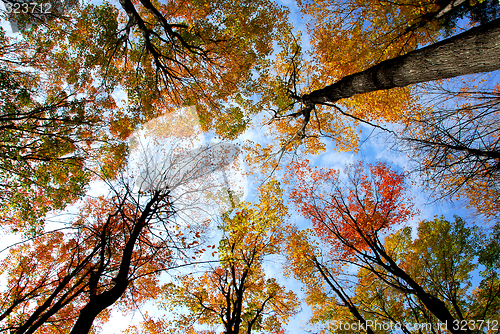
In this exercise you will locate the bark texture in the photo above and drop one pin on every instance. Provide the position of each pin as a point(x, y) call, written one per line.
point(474, 51)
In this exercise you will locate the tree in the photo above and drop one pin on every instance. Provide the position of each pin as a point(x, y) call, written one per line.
point(68, 279)
point(478, 53)
point(372, 85)
point(71, 67)
point(441, 258)
point(434, 62)
point(65, 280)
point(162, 56)
point(237, 293)
point(350, 219)
point(368, 51)
point(49, 139)
point(455, 145)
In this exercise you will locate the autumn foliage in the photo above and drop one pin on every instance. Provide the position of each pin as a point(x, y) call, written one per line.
point(236, 293)
point(65, 280)
point(350, 211)
point(88, 96)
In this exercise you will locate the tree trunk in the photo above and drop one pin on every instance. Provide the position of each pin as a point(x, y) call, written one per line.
point(95, 306)
point(344, 297)
point(474, 51)
point(98, 303)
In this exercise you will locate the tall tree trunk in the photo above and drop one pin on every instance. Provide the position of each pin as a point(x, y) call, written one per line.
point(98, 303)
point(435, 305)
point(343, 296)
point(474, 51)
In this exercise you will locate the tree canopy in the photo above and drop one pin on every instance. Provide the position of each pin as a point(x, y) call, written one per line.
point(120, 122)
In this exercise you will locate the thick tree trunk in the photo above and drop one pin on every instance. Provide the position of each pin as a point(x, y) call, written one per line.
point(95, 306)
point(98, 303)
point(474, 51)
